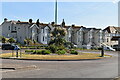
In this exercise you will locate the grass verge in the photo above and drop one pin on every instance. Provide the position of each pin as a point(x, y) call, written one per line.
point(54, 57)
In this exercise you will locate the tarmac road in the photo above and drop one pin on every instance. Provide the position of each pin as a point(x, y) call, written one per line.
point(104, 68)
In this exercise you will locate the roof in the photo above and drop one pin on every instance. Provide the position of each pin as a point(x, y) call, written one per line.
point(108, 29)
point(42, 25)
point(22, 23)
point(93, 29)
point(117, 28)
point(112, 28)
point(34, 25)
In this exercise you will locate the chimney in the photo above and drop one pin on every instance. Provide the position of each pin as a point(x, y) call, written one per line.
point(37, 22)
point(63, 23)
point(73, 25)
point(52, 23)
point(5, 19)
point(18, 20)
point(30, 20)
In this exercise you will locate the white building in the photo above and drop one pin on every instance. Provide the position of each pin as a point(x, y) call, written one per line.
point(22, 30)
point(87, 37)
point(110, 32)
point(81, 36)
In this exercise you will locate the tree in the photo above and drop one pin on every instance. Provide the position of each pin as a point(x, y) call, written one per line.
point(27, 41)
point(3, 40)
point(34, 41)
point(11, 40)
point(57, 36)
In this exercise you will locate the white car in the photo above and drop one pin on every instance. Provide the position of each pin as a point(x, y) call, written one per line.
point(75, 46)
point(109, 48)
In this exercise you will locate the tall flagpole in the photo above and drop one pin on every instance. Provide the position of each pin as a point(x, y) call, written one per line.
point(56, 12)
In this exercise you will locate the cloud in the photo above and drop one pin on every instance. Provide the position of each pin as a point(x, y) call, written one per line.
point(115, 1)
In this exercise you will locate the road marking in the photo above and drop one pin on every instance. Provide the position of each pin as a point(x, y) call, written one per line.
point(6, 70)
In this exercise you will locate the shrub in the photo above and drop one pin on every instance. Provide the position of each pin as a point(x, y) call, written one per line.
point(73, 52)
point(68, 45)
point(52, 48)
point(67, 50)
point(44, 52)
point(60, 47)
point(37, 52)
point(61, 52)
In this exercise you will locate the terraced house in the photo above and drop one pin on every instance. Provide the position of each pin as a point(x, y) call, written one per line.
point(109, 32)
point(87, 37)
point(22, 30)
point(80, 36)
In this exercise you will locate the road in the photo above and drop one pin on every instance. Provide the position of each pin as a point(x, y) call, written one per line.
point(104, 68)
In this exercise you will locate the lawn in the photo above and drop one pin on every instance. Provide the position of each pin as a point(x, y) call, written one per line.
point(54, 57)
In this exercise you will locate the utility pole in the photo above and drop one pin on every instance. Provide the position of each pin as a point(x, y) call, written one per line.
point(56, 12)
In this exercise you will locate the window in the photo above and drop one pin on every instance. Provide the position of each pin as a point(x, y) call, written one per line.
point(43, 38)
point(15, 28)
point(46, 30)
point(107, 40)
point(98, 40)
point(78, 39)
point(20, 38)
point(43, 30)
point(69, 38)
point(9, 27)
point(78, 33)
point(37, 30)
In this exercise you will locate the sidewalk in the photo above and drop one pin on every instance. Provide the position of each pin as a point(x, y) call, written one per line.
point(17, 67)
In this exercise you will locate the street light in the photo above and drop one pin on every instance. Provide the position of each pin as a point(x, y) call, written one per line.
point(102, 51)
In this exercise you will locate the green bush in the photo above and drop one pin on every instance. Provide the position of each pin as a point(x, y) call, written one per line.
point(61, 52)
point(67, 50)
point(68, 45)
point(37, 52)
point(52, 48)
point(44, 52)
point(41, 52)
point(60, 48)
point(73, 52)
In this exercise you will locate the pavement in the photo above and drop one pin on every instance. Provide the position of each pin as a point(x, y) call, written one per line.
point(104, 68)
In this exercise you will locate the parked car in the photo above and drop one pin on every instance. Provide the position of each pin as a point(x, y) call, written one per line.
point(10, 47)
point(75, 46)
point(106, 47)
point(109, 48)
point(116, 47)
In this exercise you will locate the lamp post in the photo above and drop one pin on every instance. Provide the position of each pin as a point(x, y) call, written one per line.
point(119, 44)
point(56, 12)
point(102, 51)
point(16, 51)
